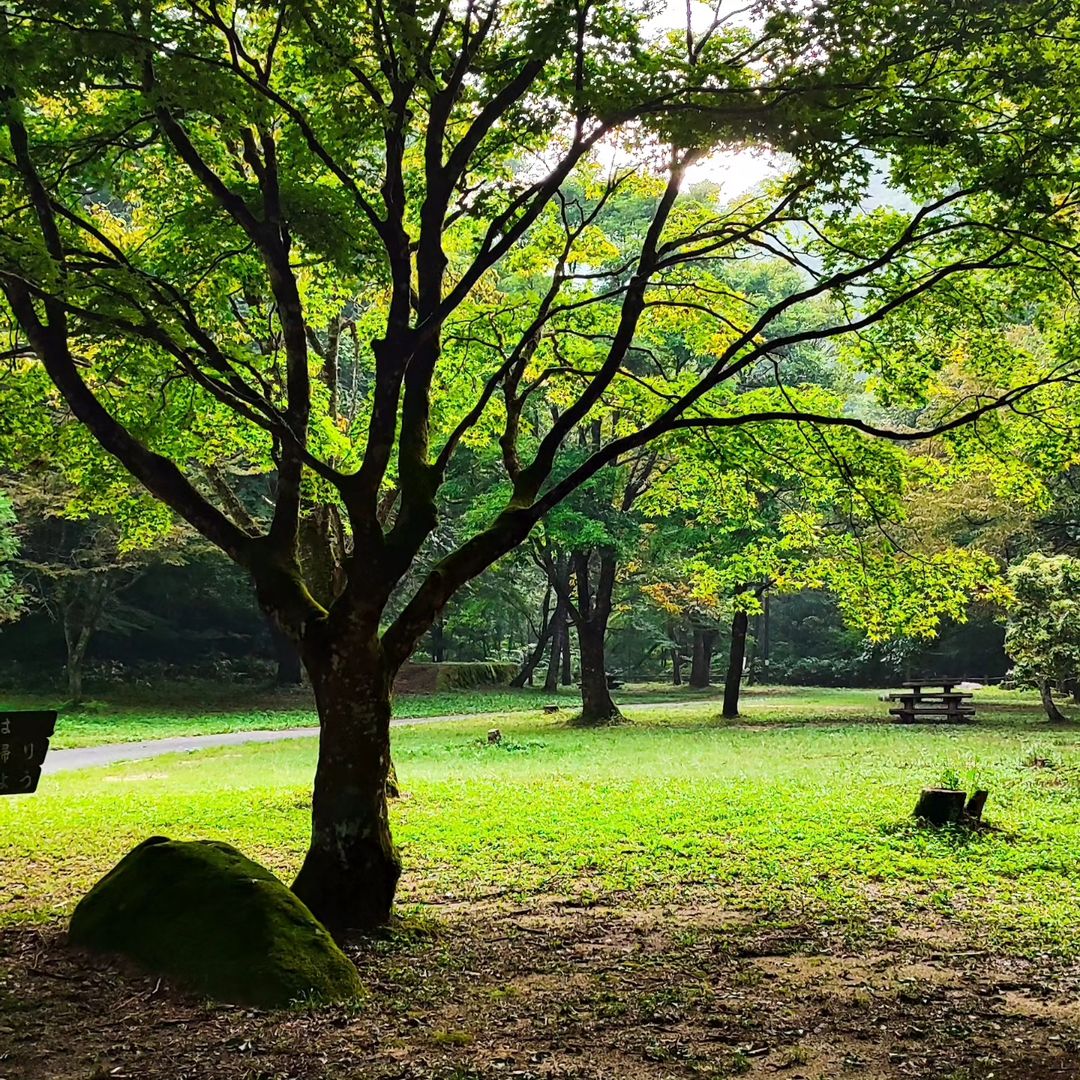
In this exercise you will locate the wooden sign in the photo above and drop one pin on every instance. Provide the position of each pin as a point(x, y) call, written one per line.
point(24, 742)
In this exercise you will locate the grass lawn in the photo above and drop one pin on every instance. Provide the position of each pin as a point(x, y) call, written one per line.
point(134, 715)
point(130, 715)
point(792, 808)
point(678, 898)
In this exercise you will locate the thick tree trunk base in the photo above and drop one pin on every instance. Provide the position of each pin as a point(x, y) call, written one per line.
point(946, 806)
point(351, 869)
point(349, 894)
point(604, 718)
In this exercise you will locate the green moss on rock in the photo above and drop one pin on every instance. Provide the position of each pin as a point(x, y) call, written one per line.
point(206, 916)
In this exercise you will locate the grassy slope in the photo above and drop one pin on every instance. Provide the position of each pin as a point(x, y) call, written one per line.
point(789, 811)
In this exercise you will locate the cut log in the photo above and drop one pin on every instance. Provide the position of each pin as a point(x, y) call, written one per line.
point(940, 806)
point(975, 805)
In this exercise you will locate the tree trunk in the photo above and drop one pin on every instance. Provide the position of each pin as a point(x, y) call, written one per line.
point(597, 706)
point(525, 676)
point(290, 670)
point(558, 635)
point(74, 670)
point(591, 617)
point(437, 634)
point(351, 869)
point(1054, 714)
point(701, 662)
point(736, 657)
point(77, 639)
point(940, 806)
point(566, 675)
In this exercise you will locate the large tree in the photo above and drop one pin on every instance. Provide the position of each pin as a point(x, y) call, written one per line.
point(196, 197)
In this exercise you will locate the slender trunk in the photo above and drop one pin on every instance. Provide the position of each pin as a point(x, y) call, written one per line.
point(290, 671)
point(438, 641)
point(594, 596)
point(558, 634)
point(351, 869)
point(566, 675)
point(597, 706)
point(1053, 713)
point(676, 657)
point(74, 669)
point(701, 662)
point(736, 657)
point(77, 640)
point(532, 661)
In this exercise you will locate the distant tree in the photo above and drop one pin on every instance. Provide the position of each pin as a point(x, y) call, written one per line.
point(76, 566)
point(1043, 631)
point(10, 597)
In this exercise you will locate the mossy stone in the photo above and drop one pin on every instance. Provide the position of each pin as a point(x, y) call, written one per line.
point(201, 913)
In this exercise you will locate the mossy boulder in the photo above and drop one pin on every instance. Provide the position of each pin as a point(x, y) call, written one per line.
point(206, 916)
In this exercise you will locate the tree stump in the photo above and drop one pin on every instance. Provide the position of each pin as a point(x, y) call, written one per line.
point(973, 810)
point(940, 806)
point(494, 736)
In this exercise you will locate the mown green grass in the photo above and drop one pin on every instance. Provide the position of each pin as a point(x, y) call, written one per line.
point(809, 815)
point(133, 716)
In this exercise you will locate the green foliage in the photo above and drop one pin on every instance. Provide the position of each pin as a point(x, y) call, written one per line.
point(10, 597)
point(284, 263)
point(1043, 631)
point(216, 922)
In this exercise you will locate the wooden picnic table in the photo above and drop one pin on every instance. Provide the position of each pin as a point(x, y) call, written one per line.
point(921, 703)
point(946, 685)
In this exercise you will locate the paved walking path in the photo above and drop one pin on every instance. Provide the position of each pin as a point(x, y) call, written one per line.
point(88, 757)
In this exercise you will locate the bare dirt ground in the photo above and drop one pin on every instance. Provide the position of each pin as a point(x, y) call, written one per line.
point(554, 992)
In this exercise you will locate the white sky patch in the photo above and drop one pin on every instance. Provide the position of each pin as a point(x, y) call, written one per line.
point(735, 171)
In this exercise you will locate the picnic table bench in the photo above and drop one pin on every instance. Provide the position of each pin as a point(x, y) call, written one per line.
point(923, 701)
